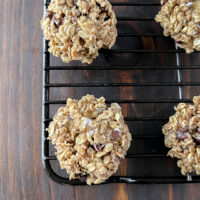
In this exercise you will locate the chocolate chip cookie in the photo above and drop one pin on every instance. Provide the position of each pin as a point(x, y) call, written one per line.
point(90, 138)
point(181, 20)
point(182, 135)
point(77, 29)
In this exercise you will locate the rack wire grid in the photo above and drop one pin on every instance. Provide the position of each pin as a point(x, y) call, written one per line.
point(146, 73)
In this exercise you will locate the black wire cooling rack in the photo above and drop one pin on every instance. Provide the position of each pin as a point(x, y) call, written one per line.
point(140, 49)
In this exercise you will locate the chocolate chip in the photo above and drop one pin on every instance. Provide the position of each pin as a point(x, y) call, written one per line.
point(115, 135)
point(196, 136)
point(197, 140)
point(82, 42)
point(198, 130)
point(180, 43)
point(98, 147)
point(48, 14)
point(184, 129)
point(57, 21)
point(180, 135)
point(198, 26)
point(62, 15)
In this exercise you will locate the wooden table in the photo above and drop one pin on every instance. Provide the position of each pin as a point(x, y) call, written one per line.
point(21, 172)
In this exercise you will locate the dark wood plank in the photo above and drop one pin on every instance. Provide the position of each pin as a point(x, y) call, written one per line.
point(21, 172)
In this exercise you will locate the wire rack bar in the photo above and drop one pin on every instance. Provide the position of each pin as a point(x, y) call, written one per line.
point(114, 51)
point(131, 119)
point(143, 101)
point(121, 68)
point(121, 84)
point(139, 35)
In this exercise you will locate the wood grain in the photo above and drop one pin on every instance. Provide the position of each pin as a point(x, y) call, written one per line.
point(21, 171)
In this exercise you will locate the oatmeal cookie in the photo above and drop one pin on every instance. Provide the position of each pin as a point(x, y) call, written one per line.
point(77, 29)
point(181, 20)
point(182, 135)
point(90, 138)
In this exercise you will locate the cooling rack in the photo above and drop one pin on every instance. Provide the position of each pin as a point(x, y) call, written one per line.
point(146, 73)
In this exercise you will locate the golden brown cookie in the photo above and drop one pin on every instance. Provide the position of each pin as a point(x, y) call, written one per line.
point(182, 135)
point(78, 29)
point(181, 20)
point(90, 138)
